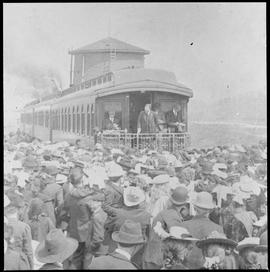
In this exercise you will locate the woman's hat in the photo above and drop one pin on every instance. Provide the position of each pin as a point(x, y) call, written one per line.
point(248, 242)
point(133, 196)
point(114, 171)
point(179, 195)
point(238, 199)
point(6, 201)
point(263, 243)
point(129, 233)
point(216, 237)
point(160, 179)
point(180, 233)
point(56, 247)
point(204, 200)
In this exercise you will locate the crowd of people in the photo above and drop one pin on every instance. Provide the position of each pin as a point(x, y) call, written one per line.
point(70, 207)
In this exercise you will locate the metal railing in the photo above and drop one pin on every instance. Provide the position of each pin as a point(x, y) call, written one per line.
point(154, 141)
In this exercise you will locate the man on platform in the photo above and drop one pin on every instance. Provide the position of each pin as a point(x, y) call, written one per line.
point(111, 123)
point(147, 121)
point(175, 120)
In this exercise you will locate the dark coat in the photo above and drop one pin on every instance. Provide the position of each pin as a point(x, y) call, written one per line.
point(113, 261)
point(22, 242)
point(153, 255)
point(199, 227)
point(79, 210)
point(147, 123)
point(55, 195)
point(172, 118)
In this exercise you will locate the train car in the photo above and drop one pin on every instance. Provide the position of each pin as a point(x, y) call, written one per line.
point(122, 89)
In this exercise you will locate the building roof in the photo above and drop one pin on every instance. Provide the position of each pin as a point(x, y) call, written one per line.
point(105, 45)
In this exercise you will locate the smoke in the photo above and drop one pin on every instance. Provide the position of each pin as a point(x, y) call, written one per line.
point(42, 81)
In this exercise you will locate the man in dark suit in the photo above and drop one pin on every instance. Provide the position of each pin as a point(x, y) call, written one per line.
point(129, 241)
point(147, 121)
point(111, 123)
point(174, 119)
point(200, 226)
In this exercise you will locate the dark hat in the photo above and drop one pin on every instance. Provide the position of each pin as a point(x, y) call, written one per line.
point(51, 170)
point(30, 162)
point(36, 207)
point(179, 195)
point(263, 243)
point(129, 233)
point(56, 247)
point(216, 237)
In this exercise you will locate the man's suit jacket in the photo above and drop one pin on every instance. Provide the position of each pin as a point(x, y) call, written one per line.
point(199, 227)
point(114, 261)
point(172, 118)
point(109, 125)
point(79, 210)
point(147, 122)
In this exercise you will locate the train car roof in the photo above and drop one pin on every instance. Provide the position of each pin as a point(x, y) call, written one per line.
point(146, 80)
point(129, 80)
point(105, 45)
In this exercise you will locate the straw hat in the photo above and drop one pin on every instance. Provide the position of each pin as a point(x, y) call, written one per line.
point(204, 200)
point(179, 195)
point(6, 201)
point(248, 242)
point(263, 243)
point(60, 179)
point(161, 179)
point(114, 170)
point(56, 247)
point(238, 199)
point(216, 237)
point(180, 233)
point(129, 233)
point(133, 196)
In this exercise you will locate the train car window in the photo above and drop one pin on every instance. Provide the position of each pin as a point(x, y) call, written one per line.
point(47, 116)
point(65, 119)
point(94, 82)
point(92, 119)
point(82, 86)
point(88, 84)
point(69, 120)
point(62, 120)
point(78, 120)
point(109, 77)
point(73, 120)
point(88, 120)
point(83, 121)
point(99, 80)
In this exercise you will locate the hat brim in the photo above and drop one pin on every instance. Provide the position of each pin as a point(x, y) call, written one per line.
point(190, 239)
point(116, 238)
point(206, 242)
point(177, 202)
point(241, 247)
point(261, 248)
point(42, 255)
point(211, 207)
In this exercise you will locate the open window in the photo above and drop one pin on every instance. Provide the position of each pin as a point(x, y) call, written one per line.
point(112, 115)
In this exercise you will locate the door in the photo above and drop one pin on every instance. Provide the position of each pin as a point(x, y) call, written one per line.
point(137, 102)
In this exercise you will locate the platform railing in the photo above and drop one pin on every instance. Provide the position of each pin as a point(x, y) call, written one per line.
point(154, 141)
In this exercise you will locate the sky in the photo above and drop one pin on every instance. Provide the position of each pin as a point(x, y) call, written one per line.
point(216, 49)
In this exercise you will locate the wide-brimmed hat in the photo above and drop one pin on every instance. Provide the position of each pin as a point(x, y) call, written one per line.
point(179, 195)
point(30, 162)
point(133, 196)
point(51, 170)
point(238, 199)
point(180, 233)
point(204, 200)
point(161, 179)
point(56, 247)
point(216, 237)
point(6, 201)
point(129, 233)
point(248, 242)
point(263, 243)
point(114, 171)
point(60, 179)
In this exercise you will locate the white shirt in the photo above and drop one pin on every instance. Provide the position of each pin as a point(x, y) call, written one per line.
point(124, 253)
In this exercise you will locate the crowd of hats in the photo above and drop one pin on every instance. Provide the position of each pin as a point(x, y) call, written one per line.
point(236, 169)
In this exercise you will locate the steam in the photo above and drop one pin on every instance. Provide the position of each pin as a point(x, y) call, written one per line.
point(42, 81)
